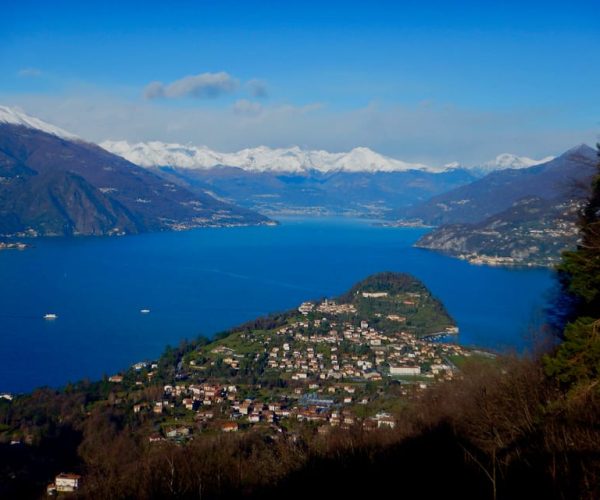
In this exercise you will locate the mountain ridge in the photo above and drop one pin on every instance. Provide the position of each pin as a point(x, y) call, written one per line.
point(566, 176)
point(527, 217)
point(53, 183)
point(293, 159)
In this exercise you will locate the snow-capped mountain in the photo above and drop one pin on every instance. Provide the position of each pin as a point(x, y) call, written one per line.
point(294, 159)
point(503, 161)
point(507, 160)
point(14, 116)
point(263, 158)
point(260, 159)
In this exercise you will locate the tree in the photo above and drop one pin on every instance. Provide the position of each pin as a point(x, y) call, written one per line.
point(576, 361)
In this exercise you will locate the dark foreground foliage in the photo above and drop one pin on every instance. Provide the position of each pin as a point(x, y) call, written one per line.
point(503, 430)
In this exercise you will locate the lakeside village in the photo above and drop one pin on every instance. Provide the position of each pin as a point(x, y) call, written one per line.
point(325, 367)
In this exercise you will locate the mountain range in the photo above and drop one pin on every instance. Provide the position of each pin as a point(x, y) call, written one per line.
point(562, 178)
point(513, 217)
point(291, 160)
point(53, 183)
point(512, 208)
point(280, 181)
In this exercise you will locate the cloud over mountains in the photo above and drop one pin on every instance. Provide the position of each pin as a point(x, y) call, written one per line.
point(201, 86)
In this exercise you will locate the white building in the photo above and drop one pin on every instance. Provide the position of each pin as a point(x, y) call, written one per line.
point(405, 370)
point(67, 482)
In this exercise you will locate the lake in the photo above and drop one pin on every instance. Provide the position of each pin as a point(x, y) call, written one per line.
point(207, 280)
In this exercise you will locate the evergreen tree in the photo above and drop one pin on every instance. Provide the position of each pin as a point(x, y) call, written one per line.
point(576, 362)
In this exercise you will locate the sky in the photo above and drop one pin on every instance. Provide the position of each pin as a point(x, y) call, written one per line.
point(432, 82)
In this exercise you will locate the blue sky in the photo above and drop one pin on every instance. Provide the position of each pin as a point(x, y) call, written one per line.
point(421, 81)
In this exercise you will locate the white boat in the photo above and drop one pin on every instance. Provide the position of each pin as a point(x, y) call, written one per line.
point(144, 311)
point(50, 316)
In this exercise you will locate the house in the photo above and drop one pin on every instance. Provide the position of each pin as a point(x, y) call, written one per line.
point(385, 420)
point(405, 370)
point(115, 379)
point(349, 419)
point(229, 427)
point(396, 317)
point(67, 482)
point(372, 376)
point(196, 390)
point(204, 415)
point(177, 432)
point(139, 407)
point(284, 413)
point(306, 307)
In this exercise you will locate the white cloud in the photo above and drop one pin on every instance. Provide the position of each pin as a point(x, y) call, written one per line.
point(202, 86)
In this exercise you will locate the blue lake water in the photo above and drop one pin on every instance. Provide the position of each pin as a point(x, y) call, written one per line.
point(207, 280)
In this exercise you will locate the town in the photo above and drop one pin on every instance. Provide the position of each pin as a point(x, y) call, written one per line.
point(324, 365)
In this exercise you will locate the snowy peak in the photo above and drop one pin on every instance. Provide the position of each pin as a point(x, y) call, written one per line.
point(259, 159)
point(13, 116)
point(364, 159)
point(266, 159)
point(155, 153)
point(507, 160)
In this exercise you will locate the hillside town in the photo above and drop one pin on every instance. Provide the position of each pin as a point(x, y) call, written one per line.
point(324, 366)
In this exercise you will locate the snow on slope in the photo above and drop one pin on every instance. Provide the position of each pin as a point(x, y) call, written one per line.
point(13, 116)
point(507, 160)
point(260, 159)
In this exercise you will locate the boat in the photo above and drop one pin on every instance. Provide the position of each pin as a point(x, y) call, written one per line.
point(144, 311)
point(50, 316)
